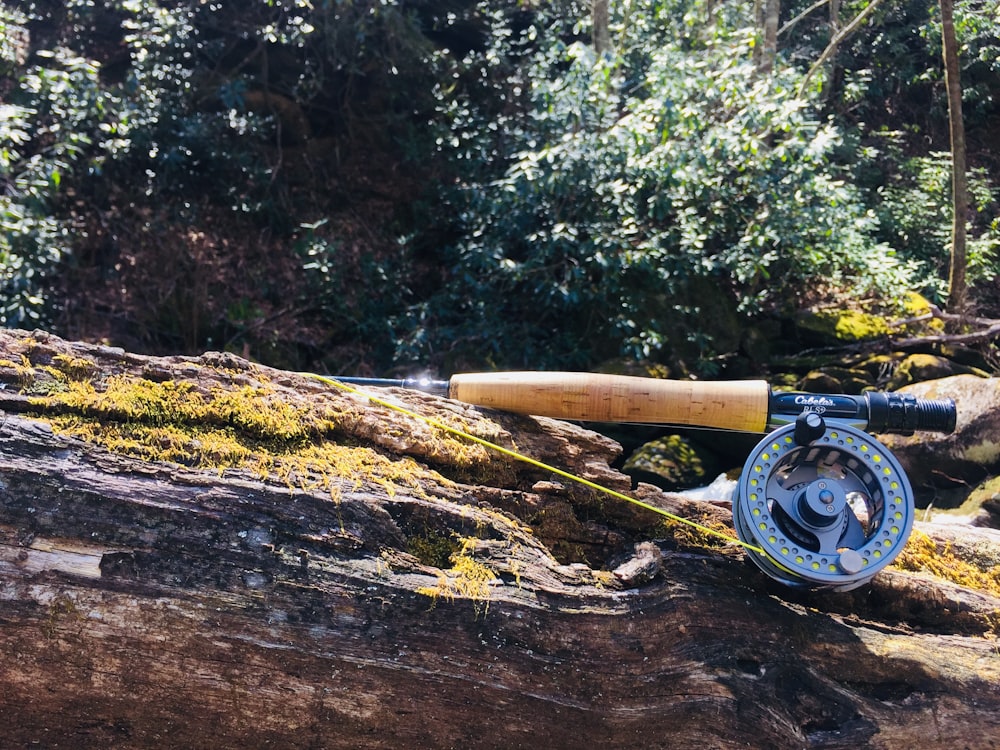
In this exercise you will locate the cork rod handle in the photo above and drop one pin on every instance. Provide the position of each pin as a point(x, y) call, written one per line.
point(734, 405)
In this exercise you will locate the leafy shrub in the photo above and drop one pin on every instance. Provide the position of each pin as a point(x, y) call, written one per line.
point(628, 179)
point(134, 124)
point(916, 215)
point(48, 130)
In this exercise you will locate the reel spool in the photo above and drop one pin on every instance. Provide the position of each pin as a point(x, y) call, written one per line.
point(828, 504)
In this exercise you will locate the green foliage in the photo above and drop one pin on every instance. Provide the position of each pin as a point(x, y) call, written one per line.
point(976, 24)
point(631, 176)
point(356, 299)
point(183, 135)
point(50, 131)
point(886, 87)
point(31, 239)
point(888, 73)
point(172, 113)
point(568, 207)
point(916, 214)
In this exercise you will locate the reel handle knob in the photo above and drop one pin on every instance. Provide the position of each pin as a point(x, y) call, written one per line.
point(809, 426)
point(851, 562)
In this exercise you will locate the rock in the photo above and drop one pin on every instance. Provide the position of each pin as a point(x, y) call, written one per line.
point(818, 381)
point(642, 567)
point(991, 506)
point(671, 462)
point(917, 368)
point(841, 325)
point(980, 508)
point(936, 463)
point(836, 380)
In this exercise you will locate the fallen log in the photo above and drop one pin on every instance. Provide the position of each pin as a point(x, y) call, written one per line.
point(203, 552)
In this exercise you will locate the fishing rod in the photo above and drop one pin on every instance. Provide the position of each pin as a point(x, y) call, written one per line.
point(820, 502)
point(741, 405)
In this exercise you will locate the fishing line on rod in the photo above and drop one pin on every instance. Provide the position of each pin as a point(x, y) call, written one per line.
point(432, 422)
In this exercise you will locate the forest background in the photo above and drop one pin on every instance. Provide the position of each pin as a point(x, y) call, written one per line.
point(403, 186)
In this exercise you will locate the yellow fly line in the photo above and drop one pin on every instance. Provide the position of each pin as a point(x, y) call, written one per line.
point(431, 421)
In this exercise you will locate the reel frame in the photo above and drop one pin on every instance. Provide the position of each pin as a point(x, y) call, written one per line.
point(827, 503)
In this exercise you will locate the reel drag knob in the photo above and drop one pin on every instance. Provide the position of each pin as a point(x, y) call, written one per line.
point(828, 505)
point(821, 504)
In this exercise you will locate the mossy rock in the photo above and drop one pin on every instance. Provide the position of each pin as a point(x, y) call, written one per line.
point(848, 325)
point(820, 381)
point(836, 380)
point(918, 368)
point(914, 306)
point(843, 325)
point(671, 462)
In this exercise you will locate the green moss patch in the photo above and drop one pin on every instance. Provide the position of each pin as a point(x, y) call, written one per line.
point(845, 325)
point(923, 554)
point(251, 428)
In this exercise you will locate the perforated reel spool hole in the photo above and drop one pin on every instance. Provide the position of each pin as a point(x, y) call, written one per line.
point(828, 512)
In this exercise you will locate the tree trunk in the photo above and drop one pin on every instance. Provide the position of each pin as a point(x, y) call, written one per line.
point(835, 79)
point(600, 16)
point(957, 286)
point(205, 553)
point(768, 15)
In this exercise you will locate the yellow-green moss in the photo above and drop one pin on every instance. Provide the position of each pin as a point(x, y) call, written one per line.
point(77, 368)
point(466, 578)
point(249, 428)
point(23, 373)
point(255, 411)
point(433, 548)
point(846, 325)
point(917, 306)
point(129, 400)
point(923, 554)
point(686, 535)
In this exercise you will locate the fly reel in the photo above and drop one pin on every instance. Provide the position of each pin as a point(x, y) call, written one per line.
point(827, 504)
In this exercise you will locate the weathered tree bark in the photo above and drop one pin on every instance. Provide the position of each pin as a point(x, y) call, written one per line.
point(359, 580)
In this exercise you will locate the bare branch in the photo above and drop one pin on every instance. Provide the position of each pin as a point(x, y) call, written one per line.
point(835, 42)
point(815, 6)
